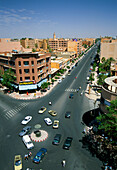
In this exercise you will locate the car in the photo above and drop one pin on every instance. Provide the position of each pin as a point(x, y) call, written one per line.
point(63, 77)
point(27, 141)
point(52, 112)
point(59, 81)
point(25, 130)
point(39, 156)
point(42, 110)
point(26, 120)
point(69, 74)
point(17, 162)
point(56, 139)
point(71, 96)
point(68, 114)
point(48, 121)
point(56, 124)
point(67, 143)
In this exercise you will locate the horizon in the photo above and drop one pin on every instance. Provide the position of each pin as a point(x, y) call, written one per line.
point(76, 19)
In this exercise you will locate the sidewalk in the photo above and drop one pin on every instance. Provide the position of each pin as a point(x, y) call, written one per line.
point(93, 94)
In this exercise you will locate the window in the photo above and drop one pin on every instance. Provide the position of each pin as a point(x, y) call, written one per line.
point(19, 63)
point(26, 63)
point(33, 70)
point(32, 62)
point(20, 78)
point(20, 71)
point(33, 77)
point(26, 70)
point(27, 78)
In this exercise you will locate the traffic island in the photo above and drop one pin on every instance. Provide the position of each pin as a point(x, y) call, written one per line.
point(39, 135)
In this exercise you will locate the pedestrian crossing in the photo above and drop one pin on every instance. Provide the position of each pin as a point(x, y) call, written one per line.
point(71, 90)
point(9, 114)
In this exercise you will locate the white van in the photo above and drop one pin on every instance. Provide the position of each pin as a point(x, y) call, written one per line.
point(27, 141)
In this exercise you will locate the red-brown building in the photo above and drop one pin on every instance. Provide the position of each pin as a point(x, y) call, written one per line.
point(31, 69)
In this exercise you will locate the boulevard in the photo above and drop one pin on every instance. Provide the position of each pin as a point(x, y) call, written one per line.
point(77, 158)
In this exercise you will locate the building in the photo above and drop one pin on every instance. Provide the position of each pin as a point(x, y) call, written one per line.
point(31, 69)
point(62, 44)
point(34, 43)
point(8, 46)
point(109, 92)
point(108, 48)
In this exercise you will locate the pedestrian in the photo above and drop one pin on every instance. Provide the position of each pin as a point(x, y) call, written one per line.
point(26, 157)
point(30, 154)
point(63, 163)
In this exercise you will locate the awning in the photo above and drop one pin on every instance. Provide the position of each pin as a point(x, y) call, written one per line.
point(40, 83)
point(13, 85)
point(28, 87)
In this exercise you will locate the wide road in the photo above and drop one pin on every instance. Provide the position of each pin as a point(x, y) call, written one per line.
point(13, 111)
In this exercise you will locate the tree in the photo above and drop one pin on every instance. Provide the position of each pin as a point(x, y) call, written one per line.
point(101, 79)
point(91, 78)
point(1, 73)
point(85, 45)
point(108, 122)
point(103, 59)
point(8, 78)
point(44, 85)
point(36, 46)
point(33, 50)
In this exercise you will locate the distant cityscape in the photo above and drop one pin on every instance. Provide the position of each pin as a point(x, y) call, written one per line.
point(35, 61)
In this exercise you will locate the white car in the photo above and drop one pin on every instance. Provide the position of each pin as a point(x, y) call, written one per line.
point(48, 121)
point(27, 141)
point(63, 76)
point(26, 120)
point(59, 81)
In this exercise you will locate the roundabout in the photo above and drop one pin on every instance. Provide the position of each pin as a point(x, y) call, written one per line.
point(38, 135)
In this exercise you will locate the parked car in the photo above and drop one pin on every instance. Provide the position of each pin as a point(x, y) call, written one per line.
point(39, 156)
point(25, 130)
point(63, 77)
point(27, 141)
point(57, 139)
point(69, 71)
point(56, 124)
point(68, 114)
point(48, 121)
point(59, 81)
point(71, 96)
point(18, 162)
point(52, 112)
point(42, 110)
point(67, 143)
point(26, 120)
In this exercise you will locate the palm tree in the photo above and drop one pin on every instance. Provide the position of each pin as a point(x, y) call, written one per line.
point(103, 59)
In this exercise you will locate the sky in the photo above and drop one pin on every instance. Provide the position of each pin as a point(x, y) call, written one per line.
point(67, 18)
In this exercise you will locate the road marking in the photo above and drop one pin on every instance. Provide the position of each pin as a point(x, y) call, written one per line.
point(14, 111)
point(71, 90)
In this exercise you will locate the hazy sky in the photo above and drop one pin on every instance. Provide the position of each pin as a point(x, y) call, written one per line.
point(67, 18)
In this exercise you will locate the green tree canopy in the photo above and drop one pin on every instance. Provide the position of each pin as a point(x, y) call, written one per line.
point(8, 78)
point(36, 45)
point(108, 122)
point(91, 78)
point(44, 85)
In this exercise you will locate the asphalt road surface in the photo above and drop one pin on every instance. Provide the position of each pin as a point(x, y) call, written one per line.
point(13, 111)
